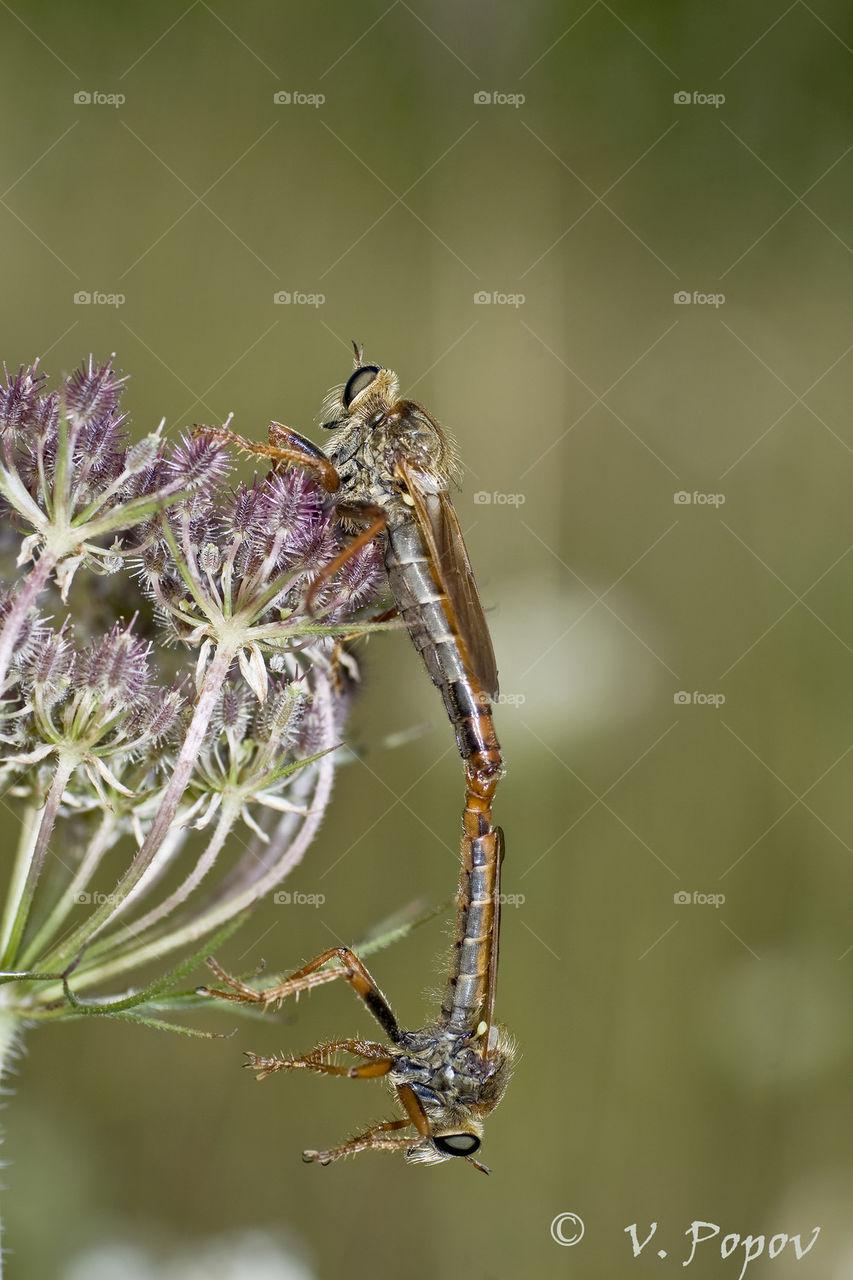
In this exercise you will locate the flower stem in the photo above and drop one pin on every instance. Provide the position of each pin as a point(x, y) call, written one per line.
point(17, 885)
point(37, 853)
point(281, 855)
point(98, 846)
point(214, 678)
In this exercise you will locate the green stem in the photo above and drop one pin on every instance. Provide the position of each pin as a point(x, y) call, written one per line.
point(98, 847)
point(205, 862)
point(64, 768)
point(26, 843)
point(129, 513)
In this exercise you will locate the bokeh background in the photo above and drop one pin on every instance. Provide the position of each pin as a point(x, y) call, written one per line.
point(657, 503)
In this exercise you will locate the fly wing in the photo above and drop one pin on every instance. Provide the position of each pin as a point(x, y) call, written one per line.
point(452, 570)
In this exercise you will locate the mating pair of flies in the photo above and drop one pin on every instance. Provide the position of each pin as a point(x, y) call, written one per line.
point(389, 467)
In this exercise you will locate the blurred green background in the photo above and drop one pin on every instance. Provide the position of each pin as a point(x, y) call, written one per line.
point(680, 1061)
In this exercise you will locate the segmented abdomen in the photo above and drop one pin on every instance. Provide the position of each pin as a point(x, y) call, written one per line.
point(426, 612)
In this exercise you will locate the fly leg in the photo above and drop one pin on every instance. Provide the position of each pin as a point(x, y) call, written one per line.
point(311, 975)
point(377, 1062)
point(285, 446)
point(375, 1139)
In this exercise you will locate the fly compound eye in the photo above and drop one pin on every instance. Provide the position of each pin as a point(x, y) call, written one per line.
point(359, 382)
point(458, 1144)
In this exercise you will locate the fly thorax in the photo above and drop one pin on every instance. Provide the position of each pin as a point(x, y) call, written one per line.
point(365, 479)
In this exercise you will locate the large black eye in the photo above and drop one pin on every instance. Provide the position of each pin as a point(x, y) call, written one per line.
point(359, 381)
point(458, 1144)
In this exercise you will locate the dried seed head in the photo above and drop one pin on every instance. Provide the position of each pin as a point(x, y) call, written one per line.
point(98, 448)
point(20, 397)
point(358, 580)
point(92, 392)
point(233, 711)
point(116, 667)
point(198, 461)
point(292, 503)
point(156, 715)
point(32, 634)
point(49, 670)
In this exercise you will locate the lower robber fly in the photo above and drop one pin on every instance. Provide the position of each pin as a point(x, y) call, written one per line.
point(389, 467)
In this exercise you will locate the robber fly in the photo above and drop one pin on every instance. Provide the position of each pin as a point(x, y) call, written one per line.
point(389, 467)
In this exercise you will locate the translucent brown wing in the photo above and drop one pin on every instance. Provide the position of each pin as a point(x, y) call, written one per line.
point(452, 568)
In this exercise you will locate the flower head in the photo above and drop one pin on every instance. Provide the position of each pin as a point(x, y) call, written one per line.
point(117, 747)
